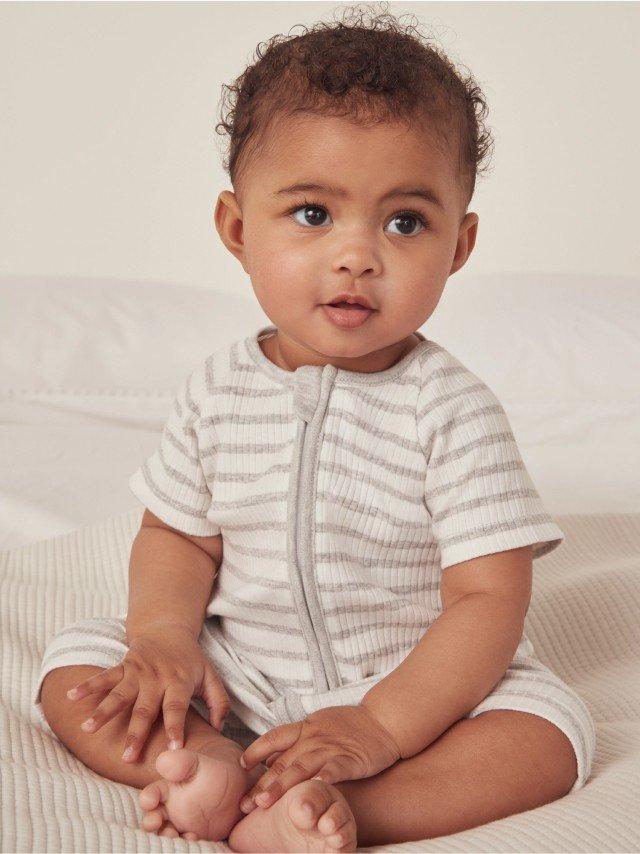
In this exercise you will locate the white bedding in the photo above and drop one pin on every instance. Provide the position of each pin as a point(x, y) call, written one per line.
point(583, 623)
point(88, 369)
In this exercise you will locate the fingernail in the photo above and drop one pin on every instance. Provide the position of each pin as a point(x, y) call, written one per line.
point(128, 752)
point(242, 762)
point(246, 805)
point(263, 797)
point(72, 692)
point(88, 724)
point(175, 744)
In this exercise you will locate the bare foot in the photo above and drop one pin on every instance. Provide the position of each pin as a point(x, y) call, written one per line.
point(198, 793)
point(329, 825)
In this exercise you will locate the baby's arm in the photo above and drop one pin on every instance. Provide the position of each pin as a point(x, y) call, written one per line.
point(170, 578)
point(464, 653)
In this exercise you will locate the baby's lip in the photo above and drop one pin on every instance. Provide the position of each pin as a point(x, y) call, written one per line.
point(352, 299)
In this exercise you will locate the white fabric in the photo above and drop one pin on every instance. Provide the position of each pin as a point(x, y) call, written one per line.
point(88, 369)
point(87, 375)
point(582, 622)
point(396, 475)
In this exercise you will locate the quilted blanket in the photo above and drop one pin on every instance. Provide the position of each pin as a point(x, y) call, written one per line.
point(583, 622)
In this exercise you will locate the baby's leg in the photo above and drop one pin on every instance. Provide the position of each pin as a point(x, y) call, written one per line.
point(102, 750)
point(196, 789)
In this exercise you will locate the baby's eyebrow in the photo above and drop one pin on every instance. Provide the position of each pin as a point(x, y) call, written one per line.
point(423, 192)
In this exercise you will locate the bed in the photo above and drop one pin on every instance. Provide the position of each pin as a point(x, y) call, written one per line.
point(88, 371)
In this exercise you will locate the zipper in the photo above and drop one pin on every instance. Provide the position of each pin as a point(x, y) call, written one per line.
point(323, 666)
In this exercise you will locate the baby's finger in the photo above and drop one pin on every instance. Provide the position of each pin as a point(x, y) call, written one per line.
point(95, 684)
point(143, 716)
point(268, 762)
point(174, 712)
point(305, 767)
point(119, 698)
point(280, 738)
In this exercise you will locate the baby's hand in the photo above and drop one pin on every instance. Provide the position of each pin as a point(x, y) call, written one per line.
point(161, 671)
point(334, 744)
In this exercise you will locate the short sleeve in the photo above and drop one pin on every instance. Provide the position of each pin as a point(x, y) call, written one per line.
point(171, 483)
point(478, 493)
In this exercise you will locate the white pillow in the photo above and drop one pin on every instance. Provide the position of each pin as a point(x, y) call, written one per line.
point(560, 352)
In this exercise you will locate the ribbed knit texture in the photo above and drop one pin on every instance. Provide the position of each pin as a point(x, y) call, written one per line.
point(583, 622)
point(408, 471)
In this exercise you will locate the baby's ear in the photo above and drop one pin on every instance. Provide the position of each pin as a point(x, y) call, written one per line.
point(228, 222)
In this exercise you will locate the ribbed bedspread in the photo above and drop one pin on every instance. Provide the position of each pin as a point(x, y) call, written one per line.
point(584, 623)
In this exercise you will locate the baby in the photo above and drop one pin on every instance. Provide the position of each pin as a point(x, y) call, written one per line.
point(352, 669)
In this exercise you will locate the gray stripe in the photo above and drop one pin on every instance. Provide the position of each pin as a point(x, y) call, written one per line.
point(366, 585)
point(242, 477)
point(445, 398)
point(362, 628)
point(371, 608)
point(490, 440)
point(79, 628)
point(261, 581)
point(172, 439)
point(258, 606)
point(189, 399)
point(494, 498)
point(475, 474)
point(421, 564)
point(178, 478)
point(103, 651)
point(268, 627)
point(370, 484)
point(170, 500)
point(545, 677)
point(291, 683)
point(495, 527)
point(209, 377)
point(576, 729)
point(373, 655)
point(414, 538)
point(266, 525)
point(267, 653)
point(364, 453)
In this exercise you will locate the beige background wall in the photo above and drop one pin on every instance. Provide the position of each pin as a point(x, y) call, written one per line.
point(109, 164)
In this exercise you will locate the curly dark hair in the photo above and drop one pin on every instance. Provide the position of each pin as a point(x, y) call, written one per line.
point(367, 71)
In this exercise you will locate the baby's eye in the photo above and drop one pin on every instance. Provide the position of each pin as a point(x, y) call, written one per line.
point(311, 219)
point(408, 216)
point(314, 214)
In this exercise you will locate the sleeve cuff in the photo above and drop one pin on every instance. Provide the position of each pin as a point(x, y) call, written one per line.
point(544, 538)
point(183, 522)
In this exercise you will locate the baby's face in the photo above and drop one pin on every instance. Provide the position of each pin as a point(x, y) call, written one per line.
point(301, 248)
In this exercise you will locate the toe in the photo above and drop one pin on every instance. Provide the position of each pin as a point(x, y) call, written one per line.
point(337, 840)
point(150, 796)
point(307, 805)
point(169, 830)
point(154, 820)
point(190, 836)
point(333, 818)
point(177, 765)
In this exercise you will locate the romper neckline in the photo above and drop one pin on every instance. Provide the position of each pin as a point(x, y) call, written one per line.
point(285, 377)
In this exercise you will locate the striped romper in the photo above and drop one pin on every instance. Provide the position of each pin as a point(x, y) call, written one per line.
point(341, 498)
